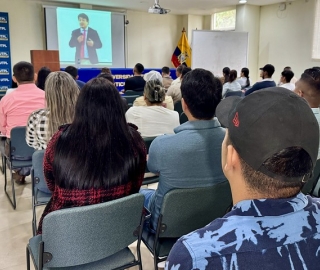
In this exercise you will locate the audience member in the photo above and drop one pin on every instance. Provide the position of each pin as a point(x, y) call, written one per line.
point(244, 78)
point(286, 77)
point(61, 96)
point(153, 120)
point(178, 74)
point(232, 84)
point(192, 156)
point(16, 107)
point(135, 83)
point(266, 74)
point(106, 70)
point(308, 87)
point(267, 161)
point(73, 71)
point(42, 76)
point(98, 157)
point(225, 75)
point(174, 90)
point(166, 78)
point(293, 80)
point(109, 77)
point(153, 75)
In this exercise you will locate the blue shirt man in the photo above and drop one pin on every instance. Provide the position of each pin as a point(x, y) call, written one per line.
point(272, 225)
point(190, 158)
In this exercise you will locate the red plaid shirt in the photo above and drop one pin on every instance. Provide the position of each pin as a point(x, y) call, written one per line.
point(65, 198)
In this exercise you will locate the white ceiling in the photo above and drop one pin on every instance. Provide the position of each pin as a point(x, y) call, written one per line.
point(200, 7)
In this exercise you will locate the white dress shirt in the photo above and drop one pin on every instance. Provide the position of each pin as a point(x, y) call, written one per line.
point(290, 86)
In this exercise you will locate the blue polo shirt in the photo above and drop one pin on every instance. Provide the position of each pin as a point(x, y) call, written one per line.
point(257, 234)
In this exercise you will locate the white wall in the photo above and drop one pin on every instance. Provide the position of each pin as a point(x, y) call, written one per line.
point(152, 39)
point(287, 41)
point(246, 14)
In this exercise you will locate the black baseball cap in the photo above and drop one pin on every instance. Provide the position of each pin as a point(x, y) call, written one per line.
point(269, 68)
point(266, 122)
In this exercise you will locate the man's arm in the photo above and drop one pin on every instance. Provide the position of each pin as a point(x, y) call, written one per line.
point(153, 158)
point(179, 258)
point(94, 39)
point(3, 117)
point(74, 39)
point(252, 89)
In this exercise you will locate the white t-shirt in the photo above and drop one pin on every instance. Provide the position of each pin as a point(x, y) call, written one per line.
point(227, 87)
point(153, 120)
point(290, 86)
point(243, 81)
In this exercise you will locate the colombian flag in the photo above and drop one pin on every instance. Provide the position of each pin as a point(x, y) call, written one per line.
point(182, 54)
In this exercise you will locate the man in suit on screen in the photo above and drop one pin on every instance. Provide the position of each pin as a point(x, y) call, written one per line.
point(86, 40)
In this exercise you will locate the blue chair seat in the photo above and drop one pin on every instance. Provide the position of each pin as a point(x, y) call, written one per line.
point(42, 197)
point(21, 163)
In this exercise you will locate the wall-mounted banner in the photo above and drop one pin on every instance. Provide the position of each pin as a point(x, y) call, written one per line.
point(5, 55)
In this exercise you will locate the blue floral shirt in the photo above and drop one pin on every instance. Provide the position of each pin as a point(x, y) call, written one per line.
point(256, 234)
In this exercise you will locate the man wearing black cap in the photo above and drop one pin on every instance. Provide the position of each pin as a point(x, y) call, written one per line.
point(266, 74)
point(267, 158)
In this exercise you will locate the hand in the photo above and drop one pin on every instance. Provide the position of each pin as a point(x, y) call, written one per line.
point(80, 38)
point(90, 43)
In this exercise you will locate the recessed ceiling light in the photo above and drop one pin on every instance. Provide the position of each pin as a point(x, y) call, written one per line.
point(242, 1)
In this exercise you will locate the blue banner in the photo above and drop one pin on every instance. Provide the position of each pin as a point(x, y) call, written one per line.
point(119, 74)
point(5, 55)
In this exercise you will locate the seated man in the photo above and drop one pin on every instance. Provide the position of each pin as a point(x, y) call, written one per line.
point(135, 83)
point(184, 160)
point(308, 87)
point(174, 90)
point(73, 71)
point(266, 74)
point(286, 77)
point(166, 78)
point(267, 159)
point(16, 107)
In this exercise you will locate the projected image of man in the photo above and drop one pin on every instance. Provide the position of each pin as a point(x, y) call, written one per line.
point(86, 40)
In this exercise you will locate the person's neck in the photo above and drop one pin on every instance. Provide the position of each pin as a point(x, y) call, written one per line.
point(267, 78)
point(149, 104)
point(136, 74)
point(27, 82)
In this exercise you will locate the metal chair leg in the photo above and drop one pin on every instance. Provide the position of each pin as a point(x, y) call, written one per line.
point(28, 258)
point(34, 218)
point(13, 200)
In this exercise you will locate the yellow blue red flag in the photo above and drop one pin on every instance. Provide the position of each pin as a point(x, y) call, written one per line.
point(182, 54)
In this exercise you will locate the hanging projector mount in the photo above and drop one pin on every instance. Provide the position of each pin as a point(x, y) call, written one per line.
point(156, 9)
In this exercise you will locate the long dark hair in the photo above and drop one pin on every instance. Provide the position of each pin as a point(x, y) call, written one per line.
point(245, 72)
point(97, 149)
point(233, 76)
point(42, 76)
point(226, 73)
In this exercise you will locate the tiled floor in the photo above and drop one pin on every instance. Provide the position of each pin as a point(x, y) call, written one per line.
point(15, 229)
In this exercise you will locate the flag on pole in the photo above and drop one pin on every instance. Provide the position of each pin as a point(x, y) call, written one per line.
point(182, 54)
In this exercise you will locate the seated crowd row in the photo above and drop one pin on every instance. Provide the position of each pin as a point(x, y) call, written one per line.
point(95, 153)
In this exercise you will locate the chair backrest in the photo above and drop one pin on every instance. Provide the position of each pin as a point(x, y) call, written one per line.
point(19, 147)
point(148, 141)
point(133, 93)
point(87, 234)
point(185, 210)
point(311, 183)
point(183, 118)
point(178, 107)
point(234, 93)
point(37, 172)
point(131, 99)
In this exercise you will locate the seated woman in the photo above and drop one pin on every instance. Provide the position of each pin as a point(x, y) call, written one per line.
point(152, 75)
point(42, 76)
point(98, 157)
point(232, 84)
point(61, 96)
point(244, 79)
point(153, 120)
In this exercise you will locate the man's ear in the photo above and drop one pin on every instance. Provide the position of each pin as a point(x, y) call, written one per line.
point(232, 159)
point(77, 77)
point(184, 105)
point(35, 77)
point(14, 79)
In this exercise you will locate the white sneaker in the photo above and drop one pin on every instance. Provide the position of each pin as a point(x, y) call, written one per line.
point(162, 264)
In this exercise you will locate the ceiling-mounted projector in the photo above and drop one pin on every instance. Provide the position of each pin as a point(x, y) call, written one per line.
point(156, 9)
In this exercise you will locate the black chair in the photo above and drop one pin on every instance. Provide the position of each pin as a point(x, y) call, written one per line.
point(130, 99)
point(183, 211)
point(133, 93)
point(183, 118)
point(178, 107)
point(310, 185)
point(17, 148)
point(234, 93)
point(152, 179)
